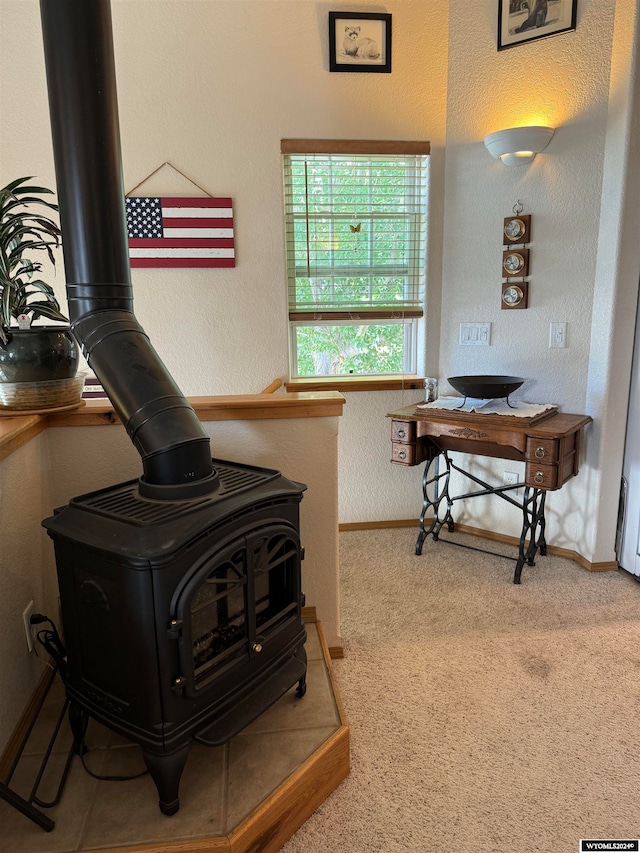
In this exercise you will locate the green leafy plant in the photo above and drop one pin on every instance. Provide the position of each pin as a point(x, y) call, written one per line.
point(24, 230)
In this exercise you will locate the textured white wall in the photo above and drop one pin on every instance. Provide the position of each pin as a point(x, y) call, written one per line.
point(616, 278)
point(26, 573)
point(562, 82)
point(212, 86)
point(580, 271)
point(371, 488)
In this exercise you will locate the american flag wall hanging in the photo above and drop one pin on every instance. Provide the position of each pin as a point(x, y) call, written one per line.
point(180, 232)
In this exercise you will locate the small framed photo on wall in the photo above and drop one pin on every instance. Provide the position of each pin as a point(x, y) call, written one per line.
point(526, 20)
point(359, 41)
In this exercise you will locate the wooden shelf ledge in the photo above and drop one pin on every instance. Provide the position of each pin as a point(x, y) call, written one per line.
point(14, 432)
point(18, 430)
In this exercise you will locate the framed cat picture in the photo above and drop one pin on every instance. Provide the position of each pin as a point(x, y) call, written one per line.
point(360, 41)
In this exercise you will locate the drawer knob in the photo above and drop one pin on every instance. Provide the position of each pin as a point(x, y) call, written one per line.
point(401, 433)
point(539, 477)
point(402, 454)
point(540, 452)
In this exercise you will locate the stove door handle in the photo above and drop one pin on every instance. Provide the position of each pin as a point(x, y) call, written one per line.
point(175, 629)
point(179, 684)
point(258, 645)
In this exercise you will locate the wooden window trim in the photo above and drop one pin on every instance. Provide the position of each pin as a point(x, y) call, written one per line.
point(353, 146)
point(355, 315)
point(345, 384)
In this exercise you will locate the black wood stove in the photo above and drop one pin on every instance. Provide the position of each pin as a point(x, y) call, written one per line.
point(180, 591)
point(182, 619)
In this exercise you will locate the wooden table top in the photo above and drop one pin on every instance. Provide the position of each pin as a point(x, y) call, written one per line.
point(554, 425)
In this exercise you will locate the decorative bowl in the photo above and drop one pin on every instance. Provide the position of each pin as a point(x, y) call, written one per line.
point(485, 387)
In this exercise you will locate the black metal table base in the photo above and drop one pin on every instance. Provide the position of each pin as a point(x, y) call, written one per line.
point(437, 503)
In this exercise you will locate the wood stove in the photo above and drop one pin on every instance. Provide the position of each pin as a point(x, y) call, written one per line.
point(180, 591)
point(182, 619)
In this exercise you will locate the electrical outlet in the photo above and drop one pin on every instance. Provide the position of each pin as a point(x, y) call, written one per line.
point(510, 478)
point(26, 616)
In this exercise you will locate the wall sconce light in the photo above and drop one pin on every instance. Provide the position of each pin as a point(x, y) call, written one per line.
point(518, 145)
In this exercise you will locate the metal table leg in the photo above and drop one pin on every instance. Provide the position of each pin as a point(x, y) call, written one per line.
point(533, 528)
point(435, 489)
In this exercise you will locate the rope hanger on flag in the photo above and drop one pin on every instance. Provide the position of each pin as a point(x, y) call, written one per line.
point(180, 231)
point(175, 169)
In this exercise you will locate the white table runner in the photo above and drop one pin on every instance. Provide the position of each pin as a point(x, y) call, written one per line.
point(518, 409)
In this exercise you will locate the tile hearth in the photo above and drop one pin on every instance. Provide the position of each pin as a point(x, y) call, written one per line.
point(221, 787)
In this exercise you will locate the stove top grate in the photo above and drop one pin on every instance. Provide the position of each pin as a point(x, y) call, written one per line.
point(127, 503)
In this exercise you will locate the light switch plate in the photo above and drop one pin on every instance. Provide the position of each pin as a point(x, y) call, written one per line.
point(558, 335)
point(475, 334)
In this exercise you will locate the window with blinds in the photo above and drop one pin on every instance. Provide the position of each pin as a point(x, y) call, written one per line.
point(355, 224)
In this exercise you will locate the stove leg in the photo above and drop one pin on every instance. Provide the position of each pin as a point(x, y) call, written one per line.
point(301, 689)
point(166, 771)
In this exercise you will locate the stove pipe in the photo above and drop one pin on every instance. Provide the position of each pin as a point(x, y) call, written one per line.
point(78, 47)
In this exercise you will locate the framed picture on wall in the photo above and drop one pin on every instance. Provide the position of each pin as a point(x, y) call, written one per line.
point(359, 41)
point(526, 20)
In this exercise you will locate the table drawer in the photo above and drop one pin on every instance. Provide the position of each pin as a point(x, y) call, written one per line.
point(541, 476)
point(542, 450)
point(408, 454)
point(403, 431)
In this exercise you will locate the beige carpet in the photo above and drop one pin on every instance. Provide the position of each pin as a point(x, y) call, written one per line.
point(485, 717)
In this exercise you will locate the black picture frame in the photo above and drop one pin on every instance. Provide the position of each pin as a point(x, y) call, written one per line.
point(360, 41)
point(522, 21)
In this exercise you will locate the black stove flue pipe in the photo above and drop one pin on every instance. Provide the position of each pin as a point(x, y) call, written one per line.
point(79, 58)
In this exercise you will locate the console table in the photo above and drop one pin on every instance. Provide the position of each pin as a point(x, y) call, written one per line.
point(548, 444)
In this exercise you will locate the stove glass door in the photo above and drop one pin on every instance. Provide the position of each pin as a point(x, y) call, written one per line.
point(275, 558)
point(218, 615)
point(232, 608)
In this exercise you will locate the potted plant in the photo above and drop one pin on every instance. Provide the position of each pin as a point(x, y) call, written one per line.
point(38, 364)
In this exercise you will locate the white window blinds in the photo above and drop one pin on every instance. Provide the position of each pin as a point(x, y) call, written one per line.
point(356, 222)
